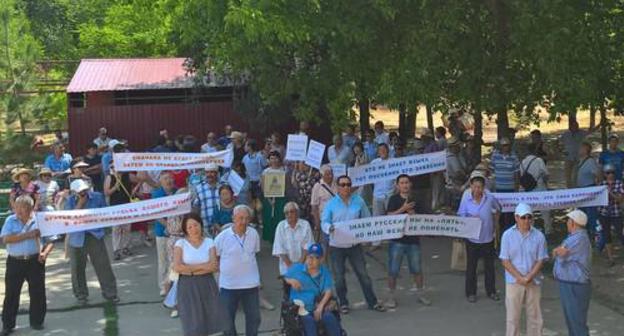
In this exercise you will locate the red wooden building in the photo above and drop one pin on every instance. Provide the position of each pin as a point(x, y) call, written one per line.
point(135, 98)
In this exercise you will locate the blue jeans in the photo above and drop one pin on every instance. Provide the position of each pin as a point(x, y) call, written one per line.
point(575, 299)
point(329, 320)
point(592, 216)
point(356, 258)
point(608, 224)
point(251, 307)
point(396, 251)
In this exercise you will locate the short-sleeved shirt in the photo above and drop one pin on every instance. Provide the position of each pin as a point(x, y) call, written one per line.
point(14, 225)
point(106, 162)
point(385, 188)
point(615, 158)
point(291, 241)
point(238, 268)
point(572, 143)
point(505, 167)
point(207, 200)
point(192, 255)
point(321, 194)
point(383, 137)
point(455, 169)
point(536, 167)
point(47, 192)
point(61, 164)
point(614, 208)
point(395, 203)
point(254, 165)
point(95, 200)
point(160, 228)
point(484, 210)
point(208, 148)
point(337, 211)
point(311, 287)
point(523, 251)
point(576, 265)
point(341, 155)
point(586, 172)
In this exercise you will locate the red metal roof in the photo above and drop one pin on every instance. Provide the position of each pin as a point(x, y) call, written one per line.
point(130, 74)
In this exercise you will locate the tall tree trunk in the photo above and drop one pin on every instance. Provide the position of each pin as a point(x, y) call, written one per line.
point(364, 105)
point(402, 121)
point(592, 117)
point(502, 123)
point(478, 129)
point(603, 126)
point(411, 121)
point(429, 111)
point(571, 117)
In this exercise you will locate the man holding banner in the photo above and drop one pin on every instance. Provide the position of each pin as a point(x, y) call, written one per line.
point(91, 243)
point(343, 207)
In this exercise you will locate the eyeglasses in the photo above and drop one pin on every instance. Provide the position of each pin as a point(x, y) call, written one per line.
point(344, 185)
point(609, 172)
point(528, 217)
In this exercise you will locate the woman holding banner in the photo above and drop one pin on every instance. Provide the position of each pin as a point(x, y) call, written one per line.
point(273, 189)
point(484, 206)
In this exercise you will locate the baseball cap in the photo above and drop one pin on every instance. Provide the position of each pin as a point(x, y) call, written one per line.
point(315, 250)
point(578, 216)
point(477, 174)
point(608, 168)
point(79, 185)
point(211, 167)
point(614, 136)
point(523, 209)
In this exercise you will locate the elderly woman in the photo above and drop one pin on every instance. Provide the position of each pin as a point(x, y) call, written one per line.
point(23, 185)
point(227, 202)
point(195, 259)
point(485, 207)
point(292, 237)
point(303, 179)
point(271, 214)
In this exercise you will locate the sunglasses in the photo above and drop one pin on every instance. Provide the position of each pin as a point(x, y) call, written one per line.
point(344, 185)
point(529, 217)
point(609, 172)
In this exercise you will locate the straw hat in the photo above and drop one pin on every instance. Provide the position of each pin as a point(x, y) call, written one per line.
point(45, 171)
point(21, 171)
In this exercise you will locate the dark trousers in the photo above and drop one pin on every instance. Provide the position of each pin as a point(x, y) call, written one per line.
point(474, 252)
point(95, 249)
point(18, 271)
point(507, 219)
point(250, 299)
point(355, 255)
point(575, 299)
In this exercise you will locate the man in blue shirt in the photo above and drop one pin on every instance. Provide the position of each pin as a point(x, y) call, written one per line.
point(343, 207)
point(25, 262)
point(613, 155)
point(311, 284)
point(91, 243)
point(523, 252)
point(573, 271)
point(58, 162)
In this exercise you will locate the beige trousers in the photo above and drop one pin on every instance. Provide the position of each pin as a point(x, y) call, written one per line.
point(529, 296)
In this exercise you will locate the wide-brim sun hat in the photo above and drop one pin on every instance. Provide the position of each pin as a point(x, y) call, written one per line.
point(20, 171)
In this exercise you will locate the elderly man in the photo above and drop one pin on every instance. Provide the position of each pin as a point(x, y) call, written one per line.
point(343, 207)
point(102, 138)
point(573, 272)
point(225, 140)
point(211, 144)
point(25, 262)
point(322, 192)
point(89, 243)
point(206, 198)
point(523, 252)
point(239, 277)
point(58, 162)
point(292, 237)
point(338, 152)
point(311, 283)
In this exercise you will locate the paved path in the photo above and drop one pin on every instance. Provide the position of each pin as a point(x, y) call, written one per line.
point(140, 311)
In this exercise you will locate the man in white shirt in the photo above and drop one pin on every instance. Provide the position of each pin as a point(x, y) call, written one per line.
point(338, 152)
point(381, 136)
point(239, 277)
point(211, 144)
point(102, 139)
point(292, 238)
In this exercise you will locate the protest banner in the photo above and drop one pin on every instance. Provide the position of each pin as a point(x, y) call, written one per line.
point(274, 184)
point(67, 221)
point(314, 157)
point(296, 147)
point(170, 161)
point(391, 168)
point(338, 169)
point(555, 199)
point(396, 226)
point(235, 181)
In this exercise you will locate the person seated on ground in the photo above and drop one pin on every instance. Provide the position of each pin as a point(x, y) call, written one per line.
point(312, 285)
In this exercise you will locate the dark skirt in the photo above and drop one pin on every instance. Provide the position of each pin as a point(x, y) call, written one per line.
point(198, 305)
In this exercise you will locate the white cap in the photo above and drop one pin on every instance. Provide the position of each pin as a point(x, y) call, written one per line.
point(578, 216)
point(477, 174)
point(523, 209)
point(79, 185)
point(211, 167)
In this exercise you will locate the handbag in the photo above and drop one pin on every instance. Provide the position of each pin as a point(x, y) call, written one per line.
point(458, 255)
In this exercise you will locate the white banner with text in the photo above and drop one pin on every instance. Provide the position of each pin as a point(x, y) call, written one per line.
point(124, 162)
point(555, 199)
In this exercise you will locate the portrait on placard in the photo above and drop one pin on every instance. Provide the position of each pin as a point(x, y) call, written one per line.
point(274, 184)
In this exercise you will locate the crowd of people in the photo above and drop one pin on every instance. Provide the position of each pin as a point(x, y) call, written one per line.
point(207, 259)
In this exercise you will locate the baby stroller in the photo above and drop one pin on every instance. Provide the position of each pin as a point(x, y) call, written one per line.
point(290, 320)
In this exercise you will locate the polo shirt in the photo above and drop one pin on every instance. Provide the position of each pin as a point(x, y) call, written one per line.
point(58, 165)
point(291, 241)
point(523, 251)
point(505, 167)
point(95, 200)
point(576, 265)
point(13, 226)
point(337, 211)
point(238, 268)
point(484, 210)
point(311, 287)
point(254, 165)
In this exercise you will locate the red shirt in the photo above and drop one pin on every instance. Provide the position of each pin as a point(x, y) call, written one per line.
point(180, 177)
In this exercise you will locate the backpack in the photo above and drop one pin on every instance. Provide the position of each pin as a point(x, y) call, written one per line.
point(527, 181)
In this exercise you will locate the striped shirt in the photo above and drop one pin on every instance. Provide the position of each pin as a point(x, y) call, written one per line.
point(576, 265)
point(207, 200)
point(505, 167)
